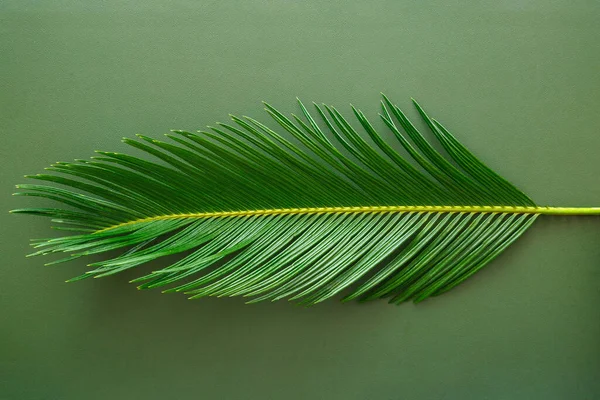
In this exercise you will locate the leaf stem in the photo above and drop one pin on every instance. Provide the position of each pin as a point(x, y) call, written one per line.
point(569, 210)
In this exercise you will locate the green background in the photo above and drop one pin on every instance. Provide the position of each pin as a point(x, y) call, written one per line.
point(517, 81)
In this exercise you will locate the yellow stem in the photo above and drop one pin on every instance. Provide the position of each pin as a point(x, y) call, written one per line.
point(376, 209)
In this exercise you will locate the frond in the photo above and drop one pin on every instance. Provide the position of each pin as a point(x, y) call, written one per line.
point(251, 213)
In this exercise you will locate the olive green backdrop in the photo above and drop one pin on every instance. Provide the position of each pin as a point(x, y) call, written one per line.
point(517, 81)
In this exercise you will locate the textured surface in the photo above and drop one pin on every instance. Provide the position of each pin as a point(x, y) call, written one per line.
point(517, 82)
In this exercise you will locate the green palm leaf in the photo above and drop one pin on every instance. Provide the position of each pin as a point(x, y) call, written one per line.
point(251, 213)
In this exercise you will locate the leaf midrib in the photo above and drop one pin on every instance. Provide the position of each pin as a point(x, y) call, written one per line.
point(372, 209)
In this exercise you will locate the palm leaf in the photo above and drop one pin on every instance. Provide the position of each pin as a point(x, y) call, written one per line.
point(251, 213)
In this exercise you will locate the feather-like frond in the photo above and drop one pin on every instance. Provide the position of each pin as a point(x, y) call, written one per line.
point(303, 216)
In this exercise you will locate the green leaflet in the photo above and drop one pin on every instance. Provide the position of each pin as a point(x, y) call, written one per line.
point(325, 209)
